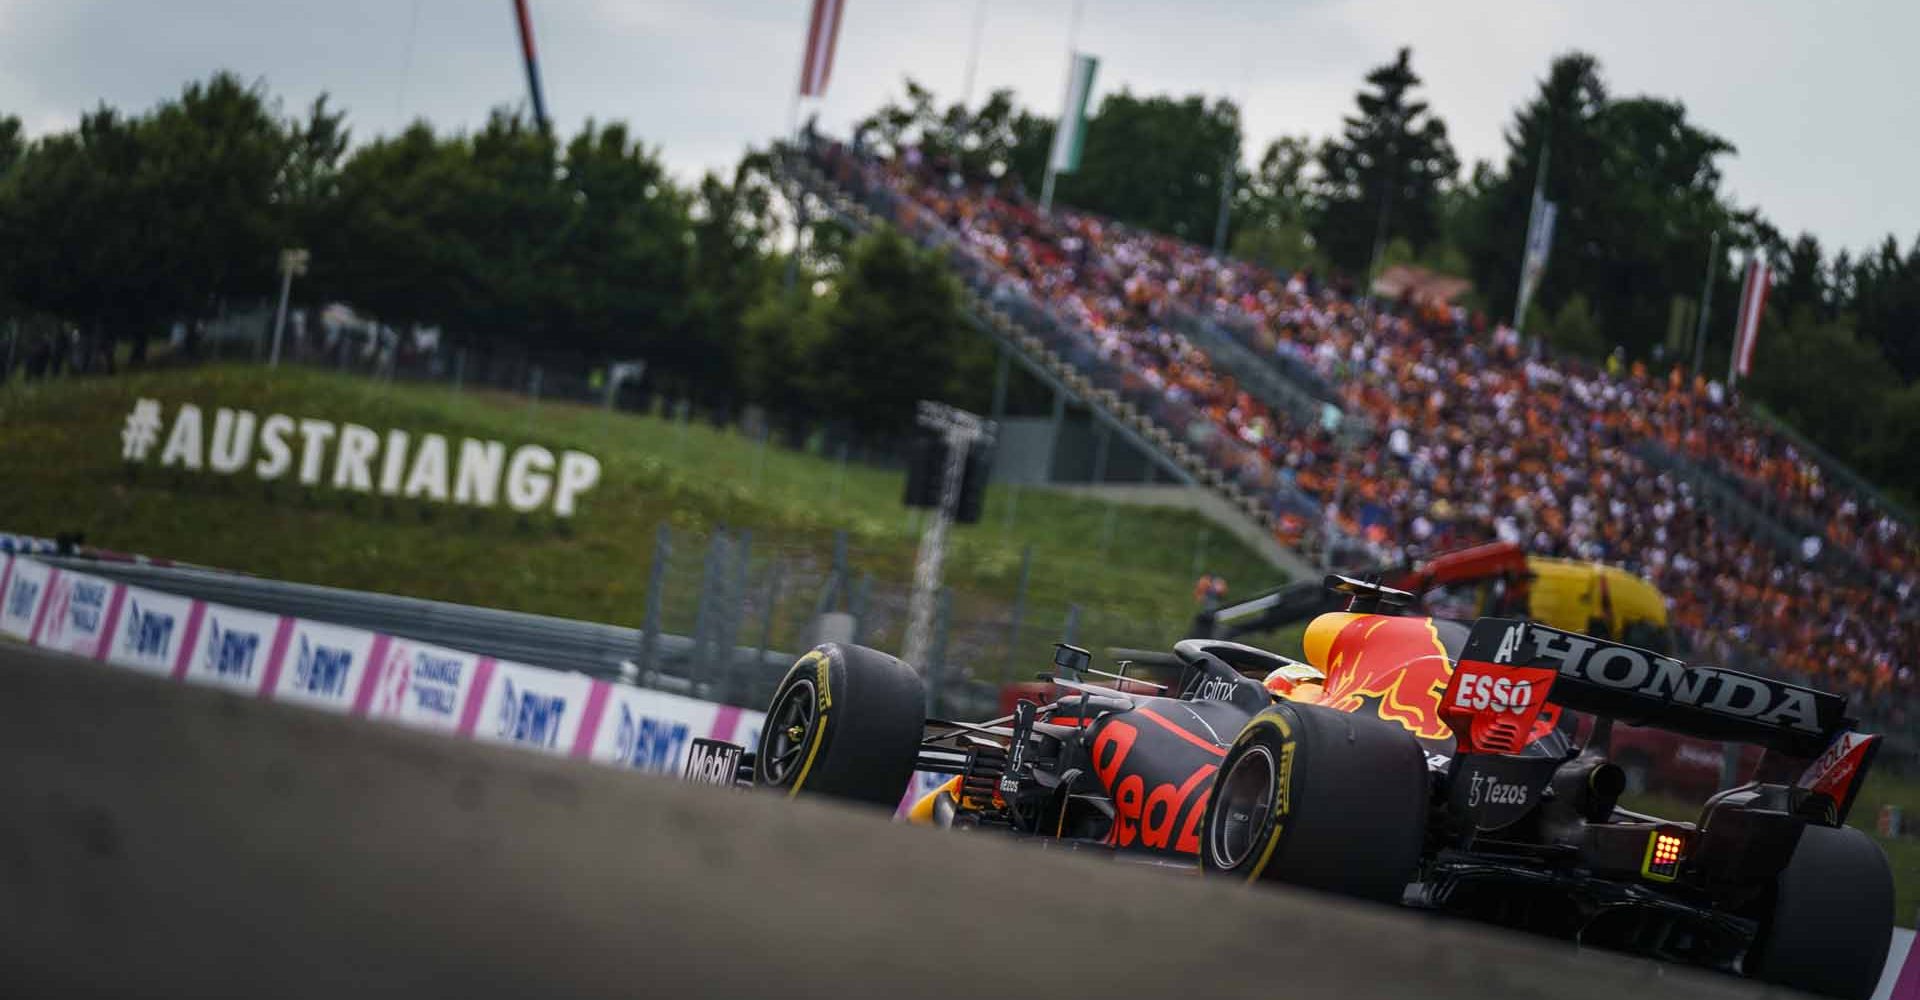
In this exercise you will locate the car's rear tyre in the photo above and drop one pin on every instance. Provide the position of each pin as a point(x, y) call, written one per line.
point(1319, 798)
point(845, 722)
point(1832, 918)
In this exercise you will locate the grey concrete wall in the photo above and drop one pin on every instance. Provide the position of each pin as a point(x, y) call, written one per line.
point(160, 840)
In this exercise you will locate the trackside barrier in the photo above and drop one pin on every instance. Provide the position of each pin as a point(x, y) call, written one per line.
point(352, 671)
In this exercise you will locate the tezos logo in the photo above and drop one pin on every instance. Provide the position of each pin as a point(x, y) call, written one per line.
point(1495, 792)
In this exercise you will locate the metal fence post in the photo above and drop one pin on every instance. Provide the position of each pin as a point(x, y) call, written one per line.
point(769, 602)
point(836, 576)
point(733, 611)
point(1019, 607)
point(1073, 624)
point(858, 607)
point(937, 654)
point(1013, 505)
point(840, 473)
point(760, 459)
point(1200, 552)
point(656, 583)
point(459, 369)
point(704, 612)
point(1106, 530)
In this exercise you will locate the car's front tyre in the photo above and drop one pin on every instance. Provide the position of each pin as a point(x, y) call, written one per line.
point(845, 722)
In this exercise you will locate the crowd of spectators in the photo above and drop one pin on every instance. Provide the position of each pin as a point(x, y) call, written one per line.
point(1474, 434)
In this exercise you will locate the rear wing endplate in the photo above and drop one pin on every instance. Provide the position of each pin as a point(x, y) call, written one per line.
point(1643, 688)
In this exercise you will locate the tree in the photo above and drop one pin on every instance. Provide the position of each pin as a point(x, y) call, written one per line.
point(79, 234)
point(1381, 178)
point(1803, 281)
point(308, 193)
point(978, 144)
point(401, 214)
point(1637, 189)
point(1886, 303)
point(1274, 206)
point(1562, 122)
point(894, 336)
point(212, 164)
point(1156, 162)
point(731, 271)
point(1576, 330)
point(1821, 378)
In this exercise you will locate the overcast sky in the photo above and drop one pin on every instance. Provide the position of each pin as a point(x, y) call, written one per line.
point(1814, 95)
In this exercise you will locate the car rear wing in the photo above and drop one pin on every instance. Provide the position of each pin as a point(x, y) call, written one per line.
point(1643, 688)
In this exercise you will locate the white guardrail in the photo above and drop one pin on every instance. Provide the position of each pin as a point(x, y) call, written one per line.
point(353, 671)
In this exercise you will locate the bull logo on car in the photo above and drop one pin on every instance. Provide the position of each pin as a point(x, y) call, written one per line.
point(1394, 666)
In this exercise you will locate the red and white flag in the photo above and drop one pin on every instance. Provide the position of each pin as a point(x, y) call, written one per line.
point(823, 34)
point(1753, 303)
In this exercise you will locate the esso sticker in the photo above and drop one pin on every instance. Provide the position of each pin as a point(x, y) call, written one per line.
point(1485, 692)
point(1493, 708)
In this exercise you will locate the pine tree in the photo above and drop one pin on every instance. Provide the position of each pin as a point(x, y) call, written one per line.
point(1382, 176)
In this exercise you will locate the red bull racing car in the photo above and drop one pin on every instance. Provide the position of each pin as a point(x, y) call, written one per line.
point(1458, 767)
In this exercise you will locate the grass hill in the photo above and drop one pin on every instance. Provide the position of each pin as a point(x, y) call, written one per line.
point(1129, 569)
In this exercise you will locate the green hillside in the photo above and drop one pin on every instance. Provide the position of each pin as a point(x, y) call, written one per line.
point(1130, 570)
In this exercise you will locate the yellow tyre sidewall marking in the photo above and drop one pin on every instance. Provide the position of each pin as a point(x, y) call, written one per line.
point(823, 677)
point(1283, 790)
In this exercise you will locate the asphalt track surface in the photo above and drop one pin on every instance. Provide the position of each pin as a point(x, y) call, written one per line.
point(163, 840)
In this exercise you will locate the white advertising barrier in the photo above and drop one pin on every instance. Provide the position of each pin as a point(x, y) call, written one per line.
point(351, 671)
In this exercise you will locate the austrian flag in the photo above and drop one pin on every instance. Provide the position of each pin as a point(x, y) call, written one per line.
point(823, 34)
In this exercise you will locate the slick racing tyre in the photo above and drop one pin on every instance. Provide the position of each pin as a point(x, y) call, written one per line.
point(1832, 917)
point(1314, 797)
point(845, 722)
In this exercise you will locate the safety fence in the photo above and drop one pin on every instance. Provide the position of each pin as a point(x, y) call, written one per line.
point(353, 671)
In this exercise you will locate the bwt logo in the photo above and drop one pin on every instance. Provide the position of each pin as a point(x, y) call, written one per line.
point(88, 599)
point(230, 651)
point(322, 670)
point(531, 718)
point(21, 599)
point(647, 743)
point(148, 632)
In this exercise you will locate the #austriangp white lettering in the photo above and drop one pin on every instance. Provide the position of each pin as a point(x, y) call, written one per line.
point(353, 458)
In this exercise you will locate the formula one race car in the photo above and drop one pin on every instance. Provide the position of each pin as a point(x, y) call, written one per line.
point(1451, 766)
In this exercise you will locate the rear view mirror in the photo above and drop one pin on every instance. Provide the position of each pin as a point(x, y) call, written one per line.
point(1071, 657)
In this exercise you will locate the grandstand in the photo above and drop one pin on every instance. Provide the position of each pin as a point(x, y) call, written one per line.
point(1450, 434)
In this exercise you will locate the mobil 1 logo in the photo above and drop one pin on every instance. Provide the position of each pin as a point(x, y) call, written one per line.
point(713, 762)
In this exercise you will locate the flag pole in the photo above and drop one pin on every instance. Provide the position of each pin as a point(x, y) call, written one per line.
point(525, 22)
point(1706, 306)
point(1073, 38)
point(973, 53)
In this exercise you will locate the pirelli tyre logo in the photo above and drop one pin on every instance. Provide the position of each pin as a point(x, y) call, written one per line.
point(1640, 674)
